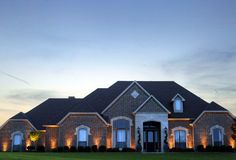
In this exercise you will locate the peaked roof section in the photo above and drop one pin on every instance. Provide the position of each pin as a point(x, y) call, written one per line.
point(214, 107)
point(149, 99)
point(53, 110)
point(19, 115)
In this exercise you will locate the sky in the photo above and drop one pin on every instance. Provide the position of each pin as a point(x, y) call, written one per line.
point(55, 48)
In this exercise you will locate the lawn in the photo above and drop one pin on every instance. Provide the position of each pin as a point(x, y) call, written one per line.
point(116, 156)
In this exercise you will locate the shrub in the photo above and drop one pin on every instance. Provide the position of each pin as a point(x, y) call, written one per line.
point(113, 150)
point(54, 150)
point(209, 148)
point(81, 149)
point(200, 148)
point(181, 150)
point(102, 148)
point(59, 149)
point(30, 148)
point(128, 150)
point(94, 148)
point(229, 149)
point(41, 149)
point(66, 149)
point(87, 149)
point(72, 149)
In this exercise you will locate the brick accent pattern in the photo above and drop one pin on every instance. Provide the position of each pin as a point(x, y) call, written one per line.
point(182, 123)
point(51, 137)
point(151, 106)
point(98, 130)
point(203, 125)
point(11, 127)
point(125, 106)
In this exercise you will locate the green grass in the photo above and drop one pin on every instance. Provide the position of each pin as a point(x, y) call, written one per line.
point(116, 156)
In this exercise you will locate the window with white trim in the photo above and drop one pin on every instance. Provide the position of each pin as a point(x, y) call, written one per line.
point(17, 139)
point(178, 105)
point(180, 139)
point(217, 133)
point(121, 132)
point(82, 133)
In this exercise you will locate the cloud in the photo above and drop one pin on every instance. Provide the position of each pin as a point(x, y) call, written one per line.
point(208, 68)
point(30, 95)
point(211, 72)
point(8, 110)
point(14, 77)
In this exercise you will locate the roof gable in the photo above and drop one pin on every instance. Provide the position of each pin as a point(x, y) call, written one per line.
point(151, 105)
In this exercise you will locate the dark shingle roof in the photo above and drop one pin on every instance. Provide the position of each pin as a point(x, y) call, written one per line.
point(214, 107)
point(53, 110)
point(19, 115)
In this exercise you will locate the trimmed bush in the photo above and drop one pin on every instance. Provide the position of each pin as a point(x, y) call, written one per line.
point(87, 149)
point(73, 149)
point(181, 150)
point(209, 148)
point(81, 149)
point(229, 149)
point(59, 149)
point(102, 148)
point(41, 149)
point(128, 150)
point(200, 148)
point(66, 149)
point(94, 148)
point(113, 150)
point(30, 148)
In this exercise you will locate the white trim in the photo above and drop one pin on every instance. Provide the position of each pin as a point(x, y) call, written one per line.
point(82, 113)
point(88, 133)
point(180, 128)
point(12, 138)
point(25, 120)
point(177, 95)
point(211, 112)
point(158, 102)
point(130, 124)
point(118, 97)
point(212, 135)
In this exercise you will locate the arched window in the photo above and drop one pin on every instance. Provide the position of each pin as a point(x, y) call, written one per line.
point(217, 133)
point(121, 132)
point(178, 103)
point(17, 138)
point(82, 133)
point(180, 137)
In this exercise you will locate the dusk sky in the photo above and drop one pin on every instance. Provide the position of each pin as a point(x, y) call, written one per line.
point(55, 48)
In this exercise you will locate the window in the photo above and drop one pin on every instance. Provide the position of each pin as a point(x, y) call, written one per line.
point(217, 137)
point(82, 133)
point(121, 135)
point(121, 132)
point(178, 105)
point(180, 139)
point(178, 102)
point(134, 94)
point(17, 140)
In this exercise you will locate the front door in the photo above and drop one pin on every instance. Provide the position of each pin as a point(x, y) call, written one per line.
point(151, 137)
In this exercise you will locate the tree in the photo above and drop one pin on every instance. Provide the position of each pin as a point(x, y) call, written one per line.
point(34, 137)
point(139, 146)
point(233, 127)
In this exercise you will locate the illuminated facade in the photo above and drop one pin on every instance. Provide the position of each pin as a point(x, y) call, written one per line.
point(152, 113)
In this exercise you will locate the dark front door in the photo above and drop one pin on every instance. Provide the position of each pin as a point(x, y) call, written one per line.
point(151, 137)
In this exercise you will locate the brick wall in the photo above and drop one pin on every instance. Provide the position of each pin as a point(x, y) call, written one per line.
point(97, 127)
point(11, 127)
point(203, 125)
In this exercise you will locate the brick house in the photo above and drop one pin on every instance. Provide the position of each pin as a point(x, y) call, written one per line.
point(120, 116)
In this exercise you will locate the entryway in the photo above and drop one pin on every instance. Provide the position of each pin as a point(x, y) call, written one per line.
point(152, 136)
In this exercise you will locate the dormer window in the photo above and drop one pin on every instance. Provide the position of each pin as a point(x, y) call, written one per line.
point(178, 103)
